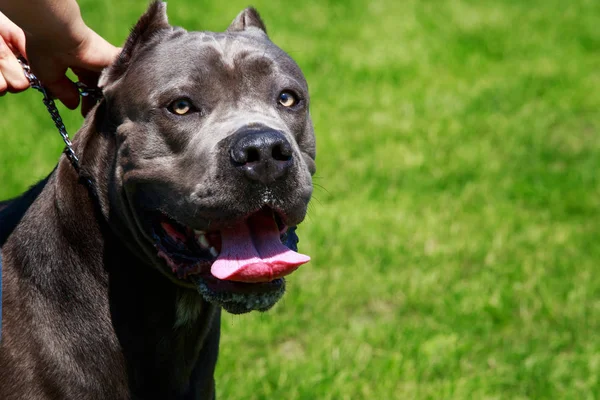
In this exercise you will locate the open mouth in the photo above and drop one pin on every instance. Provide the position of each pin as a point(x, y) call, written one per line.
point(240, 266)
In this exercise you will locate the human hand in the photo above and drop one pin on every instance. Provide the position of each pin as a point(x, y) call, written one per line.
point(83, 50)
point(12, 42)
point(50, 51)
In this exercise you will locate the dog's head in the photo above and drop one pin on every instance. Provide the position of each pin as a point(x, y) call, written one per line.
point(214, 152)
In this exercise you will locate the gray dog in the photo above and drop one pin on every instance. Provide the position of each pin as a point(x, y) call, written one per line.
point(199, 158)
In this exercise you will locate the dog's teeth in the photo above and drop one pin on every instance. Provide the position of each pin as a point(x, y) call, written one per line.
point(199, 233)
point(214, 252)
point(203, 241)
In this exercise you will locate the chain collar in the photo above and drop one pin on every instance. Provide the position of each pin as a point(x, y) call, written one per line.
point(84, 91)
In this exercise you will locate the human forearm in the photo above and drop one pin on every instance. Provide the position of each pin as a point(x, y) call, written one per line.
point(56, 39)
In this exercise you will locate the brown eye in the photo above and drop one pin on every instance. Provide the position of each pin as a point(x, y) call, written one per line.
point(181, 107)
point(287, 99)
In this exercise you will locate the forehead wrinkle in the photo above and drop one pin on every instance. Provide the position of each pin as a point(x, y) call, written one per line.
point(218, 46)
point(232, 61)
point(174, 59)
point(230, 51)
point(229, 47)
point(225, 46)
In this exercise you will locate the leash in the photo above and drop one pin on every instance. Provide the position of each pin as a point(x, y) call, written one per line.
point(84, 91)
point(48, 101)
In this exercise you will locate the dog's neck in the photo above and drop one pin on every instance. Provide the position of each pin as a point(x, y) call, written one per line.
point(168, 334)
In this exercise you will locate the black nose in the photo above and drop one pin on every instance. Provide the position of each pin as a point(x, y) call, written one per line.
point(263, 155)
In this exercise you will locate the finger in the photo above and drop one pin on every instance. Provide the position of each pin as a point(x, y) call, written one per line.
point(13, 35)
point(53, 78)
point(65, 91)
point(16, 41)
point(11, 70)
point(90, 79)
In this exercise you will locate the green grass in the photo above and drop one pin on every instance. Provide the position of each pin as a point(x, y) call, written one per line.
point(454, 229)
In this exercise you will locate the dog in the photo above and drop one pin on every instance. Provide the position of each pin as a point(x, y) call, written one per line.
point(197, 160)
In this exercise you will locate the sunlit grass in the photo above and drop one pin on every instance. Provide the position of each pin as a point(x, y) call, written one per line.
point(454, 231)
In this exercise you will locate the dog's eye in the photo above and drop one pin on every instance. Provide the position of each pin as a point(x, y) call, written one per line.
point(181, 107)
point(287, 99)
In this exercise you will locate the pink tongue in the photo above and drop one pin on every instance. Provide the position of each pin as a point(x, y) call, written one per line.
point(251, 251)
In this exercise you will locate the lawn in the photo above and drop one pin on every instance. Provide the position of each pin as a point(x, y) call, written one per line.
point(454, 229)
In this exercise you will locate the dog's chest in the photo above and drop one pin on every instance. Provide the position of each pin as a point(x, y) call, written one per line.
point(188, 309)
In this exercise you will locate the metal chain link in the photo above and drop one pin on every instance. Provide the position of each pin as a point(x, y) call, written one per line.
point(84, 91)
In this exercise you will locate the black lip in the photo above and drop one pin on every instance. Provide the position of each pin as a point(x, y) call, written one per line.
point(259, 296)
point(219, 286)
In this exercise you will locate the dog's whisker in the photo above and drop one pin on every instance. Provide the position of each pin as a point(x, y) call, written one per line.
point(320, 187)
point(315, 199)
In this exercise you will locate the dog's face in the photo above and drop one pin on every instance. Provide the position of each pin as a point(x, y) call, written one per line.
point(214, 155)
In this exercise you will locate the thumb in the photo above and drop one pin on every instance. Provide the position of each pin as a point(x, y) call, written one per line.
point(90, 79)
point(65, 91)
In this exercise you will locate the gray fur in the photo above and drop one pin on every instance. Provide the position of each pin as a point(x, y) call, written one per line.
point(90, 311)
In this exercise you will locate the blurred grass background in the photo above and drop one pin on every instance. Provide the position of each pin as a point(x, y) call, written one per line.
point(454, 228)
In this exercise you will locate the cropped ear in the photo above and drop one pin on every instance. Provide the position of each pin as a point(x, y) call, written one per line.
point(148, 26)
point(248, 18)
